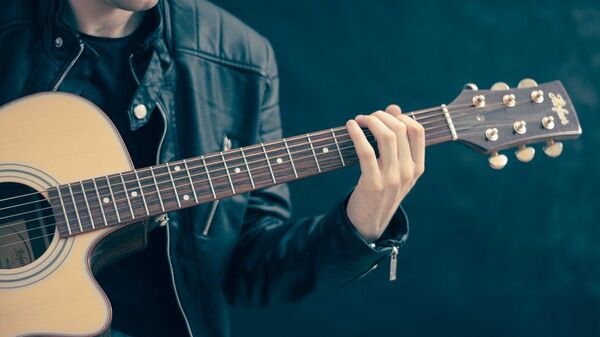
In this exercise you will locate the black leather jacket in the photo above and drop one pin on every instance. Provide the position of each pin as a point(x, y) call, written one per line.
point(211, 78)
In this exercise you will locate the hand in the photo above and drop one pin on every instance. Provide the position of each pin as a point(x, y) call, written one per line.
point(384, 181)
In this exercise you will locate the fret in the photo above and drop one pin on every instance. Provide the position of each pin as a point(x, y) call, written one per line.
point(137, 177)
point(75, 206)
point(326, 151)
point(121, 197)
point(268, 163)
point(62, 204)
point(127, 195)
point(134, 193)
point(182, 182)
point(280, 162)
point(201, 187)
point(287, 148)
point(87, 205)
point(95, 212)
point(148, 191)
point(227, 172)
point(337, 146)
point(114, 202)
point(105, 200)
point(247, 168)
point(81, 205)
point(212, 188)
point(162, 206)
point(174, 188)
point(100, 201)
point(313, 152)
point(187, 170)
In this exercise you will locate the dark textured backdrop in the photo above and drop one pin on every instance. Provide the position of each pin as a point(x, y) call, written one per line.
point(509, 253)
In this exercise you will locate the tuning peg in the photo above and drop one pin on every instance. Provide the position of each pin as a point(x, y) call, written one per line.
point(471, 86)
point(527, 83)
point(497, 161)
point(553, 149)
point(499, 86)
point(525, 153)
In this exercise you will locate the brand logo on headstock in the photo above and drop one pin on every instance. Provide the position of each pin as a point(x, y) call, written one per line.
point(558, 106)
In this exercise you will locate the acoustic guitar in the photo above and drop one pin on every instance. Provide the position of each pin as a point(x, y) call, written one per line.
point(71, 201)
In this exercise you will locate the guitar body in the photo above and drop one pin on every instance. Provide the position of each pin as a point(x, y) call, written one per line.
point(46, 140)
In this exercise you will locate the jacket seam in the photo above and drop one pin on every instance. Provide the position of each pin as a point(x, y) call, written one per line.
point(246, 67)
point(15, 24)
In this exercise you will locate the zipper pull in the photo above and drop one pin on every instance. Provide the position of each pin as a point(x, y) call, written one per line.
point(226, 143)
point(393, 263)
point(162, 220)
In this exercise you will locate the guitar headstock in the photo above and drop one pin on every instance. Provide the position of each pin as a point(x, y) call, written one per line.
point(504, 117)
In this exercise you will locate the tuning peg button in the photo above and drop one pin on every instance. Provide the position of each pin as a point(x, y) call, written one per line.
point(548, 122)
point(471, 86)
point(499, 86)
point(527, 83)
point(525, 153)
point(509, 100)
point(497, 161)
point(478, 101)
point(553, 149)
point(537, 96)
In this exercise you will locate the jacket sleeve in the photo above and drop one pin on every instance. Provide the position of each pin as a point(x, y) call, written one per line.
point(280, 259)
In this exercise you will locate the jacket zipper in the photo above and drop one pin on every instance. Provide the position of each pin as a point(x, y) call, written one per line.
point(165, 219)
point(215, 204)
point(393, 263)
point(187, 323)
point(66, 72)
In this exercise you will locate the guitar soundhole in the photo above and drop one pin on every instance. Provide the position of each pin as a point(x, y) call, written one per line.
point(26, 225)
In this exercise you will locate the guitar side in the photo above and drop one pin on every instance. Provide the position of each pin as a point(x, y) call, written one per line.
point(45, 140)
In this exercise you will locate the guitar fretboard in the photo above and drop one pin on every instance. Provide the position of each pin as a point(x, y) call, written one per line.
point(139, 194)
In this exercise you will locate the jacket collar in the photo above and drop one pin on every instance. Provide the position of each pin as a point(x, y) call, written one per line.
point(62, 41)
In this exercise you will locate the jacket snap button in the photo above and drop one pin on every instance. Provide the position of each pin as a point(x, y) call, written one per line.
point(140, 111)
point(58, 42)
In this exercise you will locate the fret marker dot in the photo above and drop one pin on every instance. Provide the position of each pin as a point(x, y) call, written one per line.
point(134, 194)
point(177, 168)
point(279, 160)
point(106, 200)
point(186, 197)
point(325, 150)
point(237, 170)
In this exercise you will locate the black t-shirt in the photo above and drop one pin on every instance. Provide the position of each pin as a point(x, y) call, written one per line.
point(112, 86)
point(138, 286)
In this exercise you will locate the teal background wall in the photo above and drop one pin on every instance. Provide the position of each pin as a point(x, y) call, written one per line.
point(508, 253)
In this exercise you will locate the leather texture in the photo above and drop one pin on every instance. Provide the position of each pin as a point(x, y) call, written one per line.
point(211, 77)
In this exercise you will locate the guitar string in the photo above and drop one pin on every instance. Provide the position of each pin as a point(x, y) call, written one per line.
point(442, 124)
point(279, 168)
point(341, 139)
point(442, 120)
point(278, 142)
point(53, 224)
point(168, 189)
point(93, 198)
point(276, 170)
point(440, 132)
point(329, 144)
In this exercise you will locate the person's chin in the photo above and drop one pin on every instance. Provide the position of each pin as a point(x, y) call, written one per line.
point(133, 5)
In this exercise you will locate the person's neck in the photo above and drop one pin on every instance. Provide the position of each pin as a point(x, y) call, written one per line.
point(96, 18)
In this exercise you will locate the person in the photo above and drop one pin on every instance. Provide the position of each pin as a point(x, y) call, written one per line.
point(180, 78)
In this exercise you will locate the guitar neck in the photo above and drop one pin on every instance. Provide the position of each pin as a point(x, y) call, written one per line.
point(136, 195)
